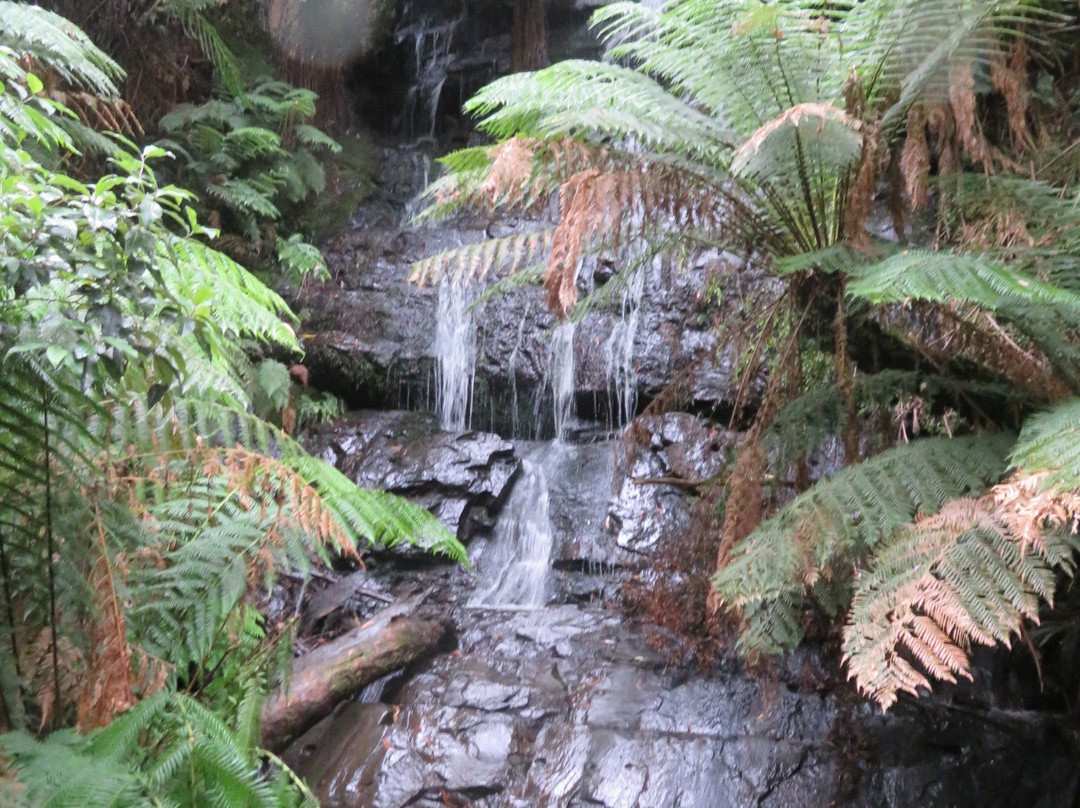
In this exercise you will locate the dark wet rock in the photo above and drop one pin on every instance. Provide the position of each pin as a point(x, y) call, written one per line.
point(460, 477)
point(568, 708)
point(371, 333)
point(661, 462)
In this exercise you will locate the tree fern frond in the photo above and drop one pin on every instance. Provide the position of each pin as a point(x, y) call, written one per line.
point(1050, 442)
point(953, 278)
point(810, 132)
point(56, 44)
point(213, 46)
point(580, 98)
point(840, 520)
point(966, 575)
point(507, 255)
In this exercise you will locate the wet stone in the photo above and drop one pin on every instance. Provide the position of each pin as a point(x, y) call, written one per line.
point(461, 477)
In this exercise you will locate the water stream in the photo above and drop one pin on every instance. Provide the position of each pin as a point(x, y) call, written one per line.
point(455, 355)
point(559, 380)
point(517, 565)
point(619, 353)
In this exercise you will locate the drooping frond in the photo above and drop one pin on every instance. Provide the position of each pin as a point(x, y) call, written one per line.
point(821, 135)
point(507, 255)
point(971, 574)
point(945, 277)
point(943, 334)
point(51, 43)
point(815, 540)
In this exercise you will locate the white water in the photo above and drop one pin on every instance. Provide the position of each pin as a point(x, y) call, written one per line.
point(559, 379)
point(619, 352)
point(455, 355)
point(517, 564)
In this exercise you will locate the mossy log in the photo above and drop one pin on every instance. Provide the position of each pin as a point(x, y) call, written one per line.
point(325, 676)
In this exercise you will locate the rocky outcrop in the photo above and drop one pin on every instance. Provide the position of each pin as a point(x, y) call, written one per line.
point(460, 477)
point(371, 339)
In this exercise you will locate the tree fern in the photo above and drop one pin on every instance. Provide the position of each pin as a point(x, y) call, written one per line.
point(815, 539)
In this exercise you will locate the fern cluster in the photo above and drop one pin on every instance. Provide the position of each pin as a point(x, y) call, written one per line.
point(251, 155)
point(143, 507)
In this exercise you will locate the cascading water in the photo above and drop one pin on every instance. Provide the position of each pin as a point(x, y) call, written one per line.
point(511, 364)
point(455, 355)
point(524, 536)
point(432, 52)
point(619, 353)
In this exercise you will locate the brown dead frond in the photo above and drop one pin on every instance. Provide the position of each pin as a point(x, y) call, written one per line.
point(1010, 77)
point(511, 169)
point(49, 676)
point(1030, 508)
point(109, 114)
point(860, 197)
point(107, 686)
point(915, 158)
point(943, 333)
point(962, 101)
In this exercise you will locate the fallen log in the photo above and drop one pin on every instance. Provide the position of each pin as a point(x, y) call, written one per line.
point(325, 676)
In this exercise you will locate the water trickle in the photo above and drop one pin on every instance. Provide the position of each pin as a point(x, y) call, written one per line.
point(619, 353)
point(524, 537)
point(559, 379)
point(511, 365)
point(455, 355)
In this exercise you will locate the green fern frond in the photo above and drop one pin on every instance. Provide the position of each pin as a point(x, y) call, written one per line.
point(56, 44)
point(507, 255)
point(952, 277)
point(316, 138)
point(1050, 442)
point(200, 29)
point(958, 578)
point(838, 523)
point(579, 98)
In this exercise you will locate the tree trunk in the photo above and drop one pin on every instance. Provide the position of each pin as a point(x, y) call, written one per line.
point(528, 36)
point(325, 676)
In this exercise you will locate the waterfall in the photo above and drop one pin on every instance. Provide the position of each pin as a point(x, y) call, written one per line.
point(511, 365)
point(524, 537)
point(455, 355)
point(619, 353)
point(432, 55)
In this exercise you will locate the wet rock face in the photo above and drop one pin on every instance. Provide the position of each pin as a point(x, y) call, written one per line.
point(460, 477)
point(372, 334)
point(659, 464)
point(566, 709)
